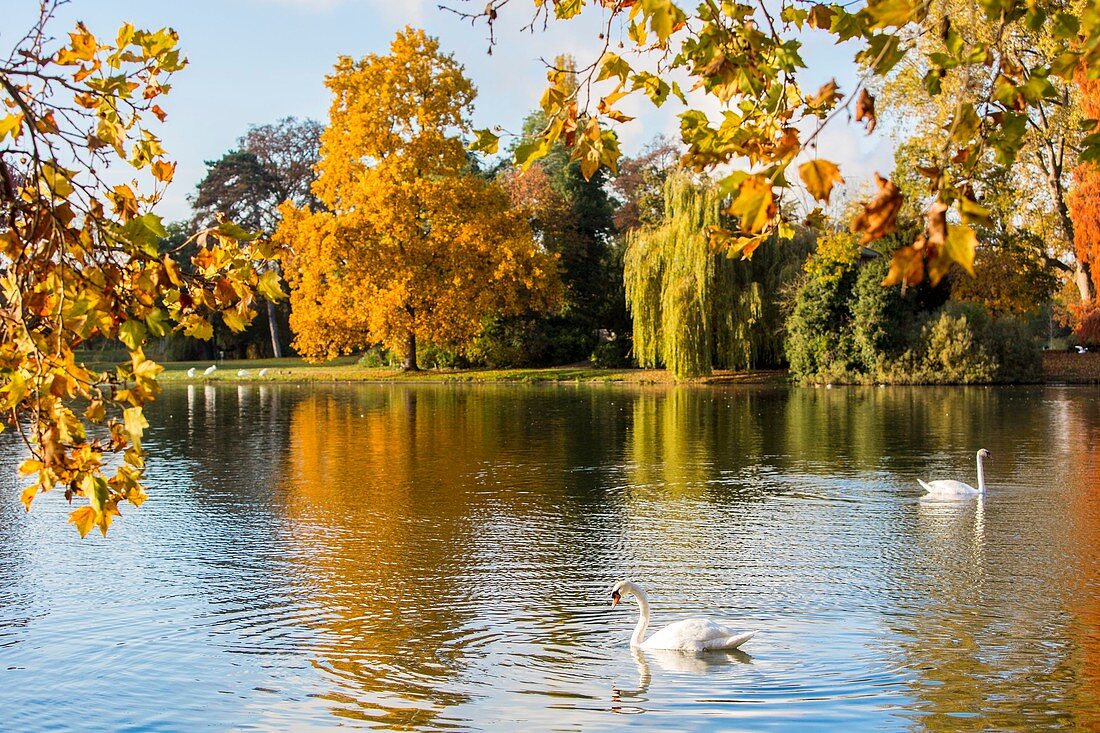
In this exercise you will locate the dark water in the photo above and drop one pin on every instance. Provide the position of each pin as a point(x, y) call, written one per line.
point(437, 557)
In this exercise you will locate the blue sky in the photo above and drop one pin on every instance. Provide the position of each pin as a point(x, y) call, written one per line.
point(255, 61)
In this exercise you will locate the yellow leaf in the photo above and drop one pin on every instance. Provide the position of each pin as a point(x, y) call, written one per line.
point(269, 286)
point(84, 518)
point(135, 424)
point(820, 176)
point(960, 245)
point(755, 204)
point(28, 496)
point(83, 43)
point(11, 125)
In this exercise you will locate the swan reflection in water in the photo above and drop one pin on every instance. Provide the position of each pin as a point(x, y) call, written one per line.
point(673, 662)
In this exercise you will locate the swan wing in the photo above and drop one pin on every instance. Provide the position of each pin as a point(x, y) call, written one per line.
point(947, 487)
point(729, 642)
point(693, 634)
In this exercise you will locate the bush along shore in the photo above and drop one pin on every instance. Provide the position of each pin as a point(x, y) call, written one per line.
point(845, 327)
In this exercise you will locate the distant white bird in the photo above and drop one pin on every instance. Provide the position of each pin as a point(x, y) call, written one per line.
point(263, 372)
point(191, 373)
point(242, 372)
point(950, 487)
point(209, 370)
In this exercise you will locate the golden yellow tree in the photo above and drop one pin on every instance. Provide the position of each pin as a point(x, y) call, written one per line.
point(412, 245)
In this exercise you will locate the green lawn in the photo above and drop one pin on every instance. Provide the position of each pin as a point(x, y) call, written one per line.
point(346, 370)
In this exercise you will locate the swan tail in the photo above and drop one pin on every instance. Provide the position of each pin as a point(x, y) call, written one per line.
point(925, 486)
point(728, 642)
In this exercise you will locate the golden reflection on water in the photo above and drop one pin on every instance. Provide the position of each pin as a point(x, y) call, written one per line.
point(420, 514)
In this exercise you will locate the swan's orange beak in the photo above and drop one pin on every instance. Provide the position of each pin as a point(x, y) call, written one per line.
point(615, 598)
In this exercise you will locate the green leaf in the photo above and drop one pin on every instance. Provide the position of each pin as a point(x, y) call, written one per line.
point(663, 16)
point(654, 87)
point(613, 66)
point(792, 14)
point(1066, 25)
point(132, 333)
point(731, 183)
point(157, 322)
point(530, 151)
point(485, 142)
point(229, 229)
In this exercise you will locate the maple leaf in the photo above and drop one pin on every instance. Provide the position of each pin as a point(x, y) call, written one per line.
point(880, 215)
point(820, 176)
point(865, 110)
point(755, 204)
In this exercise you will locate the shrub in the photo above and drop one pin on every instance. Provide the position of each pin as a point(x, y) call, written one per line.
point(854, 330)
point(611, 354)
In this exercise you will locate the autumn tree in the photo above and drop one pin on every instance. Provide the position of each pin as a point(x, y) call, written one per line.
point(747, 58)
point(409, 245)
point(639, 184)
point(1084, 208)
point(271, 164)
point(1022, 183)
point(79, 258)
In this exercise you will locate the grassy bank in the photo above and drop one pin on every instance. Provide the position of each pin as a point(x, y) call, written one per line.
point(1058, 368)
point(346, 370)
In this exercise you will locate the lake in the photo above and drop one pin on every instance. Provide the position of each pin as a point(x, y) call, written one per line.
point(430, 557)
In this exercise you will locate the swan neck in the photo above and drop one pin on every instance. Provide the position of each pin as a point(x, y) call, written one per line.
point(643, 618)
point(981, 475)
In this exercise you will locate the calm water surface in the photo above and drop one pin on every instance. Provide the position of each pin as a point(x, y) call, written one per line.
point(440, 557)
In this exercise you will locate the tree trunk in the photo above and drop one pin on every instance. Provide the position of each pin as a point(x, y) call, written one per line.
point(1082, 272)
point(1082, 277)
point(273, 326)
point(410, 353)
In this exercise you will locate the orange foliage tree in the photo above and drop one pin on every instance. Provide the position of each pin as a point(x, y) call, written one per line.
point(1084, 208)
point(410, 244)
point(1084, 199)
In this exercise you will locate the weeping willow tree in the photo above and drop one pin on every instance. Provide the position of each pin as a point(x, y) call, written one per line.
point(695, 309)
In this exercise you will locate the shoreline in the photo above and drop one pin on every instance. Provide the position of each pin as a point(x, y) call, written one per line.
point(1058, 368)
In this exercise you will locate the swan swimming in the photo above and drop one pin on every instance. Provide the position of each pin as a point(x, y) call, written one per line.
point(949, 487)
point(690, 635)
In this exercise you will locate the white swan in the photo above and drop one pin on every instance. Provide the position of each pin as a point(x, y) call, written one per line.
point(690, 635)
point(191, 372)
point(242, 372)
point(209, 370)
point(949, 487)
point(263, 372)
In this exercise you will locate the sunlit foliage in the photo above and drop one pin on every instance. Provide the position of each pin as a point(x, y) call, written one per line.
point(409, 244)
point(79, 258)
point(747, 58)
